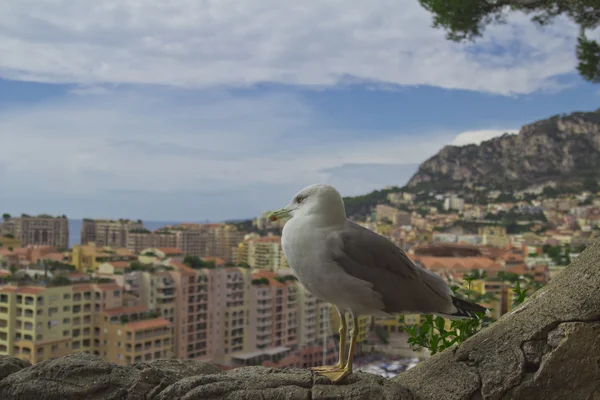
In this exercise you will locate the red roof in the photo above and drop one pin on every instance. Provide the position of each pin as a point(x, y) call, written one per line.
point(170, 250)
point(148, 324)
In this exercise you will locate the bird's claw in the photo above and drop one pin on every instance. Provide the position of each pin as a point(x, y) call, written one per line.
point(335, 375)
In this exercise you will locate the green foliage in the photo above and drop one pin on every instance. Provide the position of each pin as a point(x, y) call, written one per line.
point(506, 197)
point(591, 184)
point(361, 206)
point(136, 266)
point(466, 20)
point(382, 334)
point(433, 332)
point(260, 281)
point(9, 235)
point(551, 192)
point(285, 278)
point(559, 255)
point(588, 54)
point(60, 280)
point(196, 262)
point(140, 230)
point(6, 216)
point(54, 265)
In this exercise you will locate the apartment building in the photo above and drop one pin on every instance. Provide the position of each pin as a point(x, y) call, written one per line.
point(46, 322)
point(87, 258)
point(231, 297)
point(158, 293)
point(223, 239)
point(262, 252)
point(191, 240)
point(39, 230)
point(129, 335)
point(107, 232)
point(139, 239)
point(192, 315)
point(314, 322)
point(218, 331)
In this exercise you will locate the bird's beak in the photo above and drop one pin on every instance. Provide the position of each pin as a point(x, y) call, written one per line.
point(282, 213)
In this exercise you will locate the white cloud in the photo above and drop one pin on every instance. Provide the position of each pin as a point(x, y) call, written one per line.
point(190, 43)
point(476, 137)
point(186, 155)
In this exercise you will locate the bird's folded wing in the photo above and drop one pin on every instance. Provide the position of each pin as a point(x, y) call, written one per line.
point(369, 252)
point(374, 259)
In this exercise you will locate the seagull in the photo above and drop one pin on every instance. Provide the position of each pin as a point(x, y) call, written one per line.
point(356, 270)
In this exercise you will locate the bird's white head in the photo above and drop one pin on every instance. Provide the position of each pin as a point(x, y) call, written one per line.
point(320, 201)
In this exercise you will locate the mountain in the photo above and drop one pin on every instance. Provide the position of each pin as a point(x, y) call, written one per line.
point(564, 150)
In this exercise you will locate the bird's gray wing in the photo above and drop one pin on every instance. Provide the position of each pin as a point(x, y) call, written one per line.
point(403, 286)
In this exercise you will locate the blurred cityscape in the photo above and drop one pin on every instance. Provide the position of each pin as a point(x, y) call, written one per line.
point(223, 293)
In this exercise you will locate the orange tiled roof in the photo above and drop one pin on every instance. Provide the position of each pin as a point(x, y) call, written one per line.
point(218, 260)
point(170, 250)
point(270, 275)
point(53, 256)
point(107, 286)
point(126, 310)
point(119, 264)
point(4, 274)
point(148, 324)
point(517, 269)
point(22, 289)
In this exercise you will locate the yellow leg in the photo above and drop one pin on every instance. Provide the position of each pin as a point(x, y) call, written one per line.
point(343, 333)
point(338, 375)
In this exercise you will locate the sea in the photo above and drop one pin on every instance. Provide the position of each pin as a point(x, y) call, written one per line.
point(75, 228)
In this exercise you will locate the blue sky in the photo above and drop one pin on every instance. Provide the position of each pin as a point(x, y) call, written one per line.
point(189, 110)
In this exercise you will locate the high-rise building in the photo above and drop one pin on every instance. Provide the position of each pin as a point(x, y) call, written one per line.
point(222, 240)
point(262, 252)
point(43, 230)
point(106, 232)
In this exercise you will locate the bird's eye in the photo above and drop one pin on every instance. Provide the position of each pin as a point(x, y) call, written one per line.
point(300, 199)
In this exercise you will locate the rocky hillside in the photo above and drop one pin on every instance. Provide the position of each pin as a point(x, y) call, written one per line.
point(561, 149)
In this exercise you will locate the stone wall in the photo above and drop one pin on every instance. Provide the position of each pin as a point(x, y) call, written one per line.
point(549, 348)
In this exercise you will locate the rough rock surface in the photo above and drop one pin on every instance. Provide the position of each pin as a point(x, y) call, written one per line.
point(549, 348)
point(561, 149)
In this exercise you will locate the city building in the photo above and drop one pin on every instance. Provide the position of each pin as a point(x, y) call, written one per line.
point(41, 322)
point(38, 230)
point(261, 252)
point(454, 202)
point(107, 232)
point(87, 258)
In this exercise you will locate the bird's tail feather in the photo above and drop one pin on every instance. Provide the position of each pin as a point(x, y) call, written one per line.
point(465, 309)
